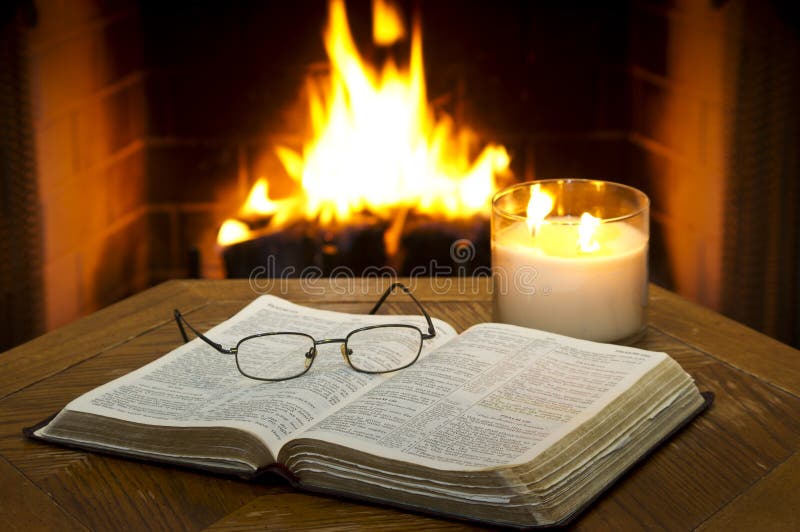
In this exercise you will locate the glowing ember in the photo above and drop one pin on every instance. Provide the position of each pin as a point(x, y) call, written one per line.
point(376, 145)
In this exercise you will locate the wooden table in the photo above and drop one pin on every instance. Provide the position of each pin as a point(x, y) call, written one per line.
point(737, 466)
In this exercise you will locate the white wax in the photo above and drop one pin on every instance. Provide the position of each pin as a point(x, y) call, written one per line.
point(546, 282)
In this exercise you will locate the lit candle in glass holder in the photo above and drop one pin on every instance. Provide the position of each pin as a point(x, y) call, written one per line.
point(570, 256)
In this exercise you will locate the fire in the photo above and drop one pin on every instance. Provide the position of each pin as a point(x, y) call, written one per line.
point(232, 231)
point(258, 201)
point(388, 27)
point(376, 145)
point(586, 231)
point(539, 207)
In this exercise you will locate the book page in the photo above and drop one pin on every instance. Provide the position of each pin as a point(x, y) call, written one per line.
point(196, 386)
point(496, 395)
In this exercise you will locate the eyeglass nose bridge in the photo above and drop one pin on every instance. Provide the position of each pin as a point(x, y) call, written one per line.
point(343, 349)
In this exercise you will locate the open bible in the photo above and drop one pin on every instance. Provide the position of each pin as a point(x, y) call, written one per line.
point(500, 424)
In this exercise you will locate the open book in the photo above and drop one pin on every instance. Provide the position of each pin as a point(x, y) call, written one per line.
point(500, 424)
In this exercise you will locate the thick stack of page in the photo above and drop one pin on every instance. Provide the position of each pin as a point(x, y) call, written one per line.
point(500, 424)
point(527, 442)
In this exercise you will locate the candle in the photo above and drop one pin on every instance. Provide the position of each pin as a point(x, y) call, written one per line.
point(558, 267)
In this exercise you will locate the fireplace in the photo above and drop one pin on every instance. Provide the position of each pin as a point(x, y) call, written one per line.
point(152, 121)
point(386, 179)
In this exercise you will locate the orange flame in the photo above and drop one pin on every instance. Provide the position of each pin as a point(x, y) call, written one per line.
point(376, 146)
point(387, 26)
point(258, 201)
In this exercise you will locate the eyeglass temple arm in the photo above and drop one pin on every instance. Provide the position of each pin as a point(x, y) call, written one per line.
point(404, 288)
point(180, 320)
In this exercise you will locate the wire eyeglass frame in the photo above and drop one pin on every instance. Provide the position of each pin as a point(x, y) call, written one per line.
point(311, 354)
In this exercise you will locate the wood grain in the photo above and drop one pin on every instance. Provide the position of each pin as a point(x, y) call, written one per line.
point(295, 511)
point(725, 339)
point(736, 465)
point(777, 491)
point(59, 349)
point(24, 506)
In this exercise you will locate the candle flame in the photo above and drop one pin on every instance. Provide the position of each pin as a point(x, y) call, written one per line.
point(539, 206)
point(586, 231)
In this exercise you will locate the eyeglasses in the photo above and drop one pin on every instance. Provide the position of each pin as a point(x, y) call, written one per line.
point(279, 356)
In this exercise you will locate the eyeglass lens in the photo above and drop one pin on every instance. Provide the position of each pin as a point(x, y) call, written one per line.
point(385, 348)
point(285, 355)
point(275, 356)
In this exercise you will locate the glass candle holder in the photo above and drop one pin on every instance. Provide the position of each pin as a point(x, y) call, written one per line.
point(569, 256)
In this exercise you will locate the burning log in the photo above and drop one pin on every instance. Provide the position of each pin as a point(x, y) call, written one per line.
point(305, 249)
point(284, 253)
point(433, 246)
point(352, 248)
